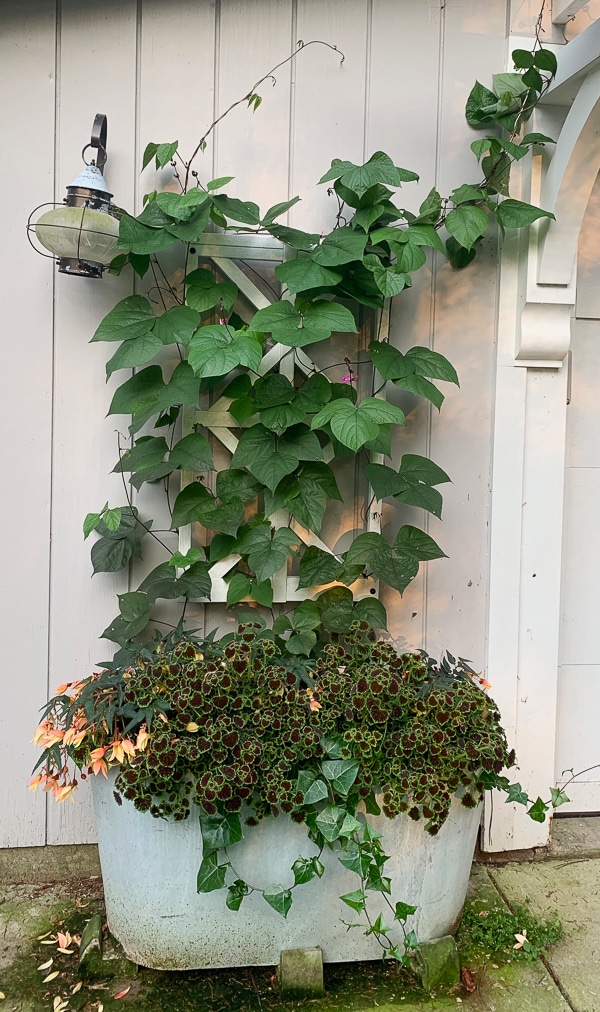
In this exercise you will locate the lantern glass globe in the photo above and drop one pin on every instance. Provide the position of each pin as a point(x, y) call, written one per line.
point(80, 233)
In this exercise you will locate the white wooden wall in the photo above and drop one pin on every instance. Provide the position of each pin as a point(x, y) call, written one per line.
point(160, 70)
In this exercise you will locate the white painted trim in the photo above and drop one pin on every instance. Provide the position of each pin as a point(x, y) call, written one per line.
point(563, 10)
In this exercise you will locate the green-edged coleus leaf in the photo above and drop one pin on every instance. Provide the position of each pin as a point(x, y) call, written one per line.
point(177, 325)
point(192, 453)
point(203, 292)
point(132, 317)
point(355, 424)
point(298, 327)
point(302, 274)
point(216, 351)
point(359, 178)
point(278, 898)
point(467, 223)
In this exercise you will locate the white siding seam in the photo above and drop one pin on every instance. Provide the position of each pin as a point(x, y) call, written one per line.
point(368, 59)
point(292, 101)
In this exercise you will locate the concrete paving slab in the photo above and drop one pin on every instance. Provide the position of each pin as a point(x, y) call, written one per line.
point(576, 837)
point(570, 889)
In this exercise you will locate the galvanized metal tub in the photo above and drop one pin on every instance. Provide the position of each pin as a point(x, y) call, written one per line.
point(149, 868)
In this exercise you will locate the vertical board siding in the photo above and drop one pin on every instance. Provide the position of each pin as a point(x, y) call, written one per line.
point(161, 71)
point(27, 38)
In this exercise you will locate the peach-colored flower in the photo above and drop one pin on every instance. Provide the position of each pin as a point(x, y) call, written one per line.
point(314, 705)
point(63, 792)
point(74, 736)
point(484, 684)
point(142, 738)
point(41, 732)
point(61, 689)
point(35, 782)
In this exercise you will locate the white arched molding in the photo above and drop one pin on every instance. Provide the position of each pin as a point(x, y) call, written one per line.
point(537, 297)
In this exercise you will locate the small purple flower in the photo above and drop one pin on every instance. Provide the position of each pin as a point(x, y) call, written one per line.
point(349, 379)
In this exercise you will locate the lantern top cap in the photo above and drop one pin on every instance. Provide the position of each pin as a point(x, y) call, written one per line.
point(92, 179)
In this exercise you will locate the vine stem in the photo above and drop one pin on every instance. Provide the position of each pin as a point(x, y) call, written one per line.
point(249, 94)
point(130, 502)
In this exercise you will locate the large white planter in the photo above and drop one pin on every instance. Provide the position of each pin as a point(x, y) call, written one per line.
point(149, 869)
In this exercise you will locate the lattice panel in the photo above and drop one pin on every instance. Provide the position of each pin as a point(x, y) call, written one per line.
point(221, 253)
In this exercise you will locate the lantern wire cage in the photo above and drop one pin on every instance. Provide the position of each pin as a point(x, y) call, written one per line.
point(31, 227)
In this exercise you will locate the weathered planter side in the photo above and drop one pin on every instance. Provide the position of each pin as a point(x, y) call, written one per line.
point(149, 868)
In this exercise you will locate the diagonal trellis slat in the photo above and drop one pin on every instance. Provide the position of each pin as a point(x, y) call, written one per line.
point(221, 251)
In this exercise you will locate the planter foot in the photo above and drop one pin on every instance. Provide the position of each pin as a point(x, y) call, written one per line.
point(437, 963)
point(300, 973)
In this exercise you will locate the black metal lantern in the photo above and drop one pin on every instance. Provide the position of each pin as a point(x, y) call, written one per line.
point(83, 231)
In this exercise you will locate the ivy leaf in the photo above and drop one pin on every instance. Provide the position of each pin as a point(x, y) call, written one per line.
point(341, 773)
point(220, 830)
point(237, 891)
point(538, 810)
point(302, 274)
point(356, 900)
point(316, 792)
point(558, 797)
point(379, 169)
point(211, 875)
point(305, 869)
point(515, 213)
point(467, 223)
point(329, 822)
point(261, 452)
point(517, 794)
point(132, 317)
point(317, 567)
point(192, 453)
point(294, 328)
point(203, 292)
point(278, 898)
point(215, 351)
point(403, 910)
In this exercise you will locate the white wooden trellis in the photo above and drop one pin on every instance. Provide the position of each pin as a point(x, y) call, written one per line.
point(222, 251)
